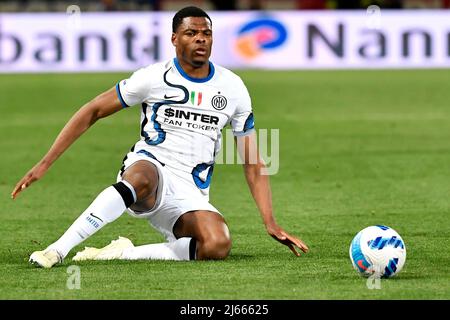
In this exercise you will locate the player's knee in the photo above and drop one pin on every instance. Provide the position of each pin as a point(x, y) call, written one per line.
point(217, 248)
point(144, 185)
point(143, 176)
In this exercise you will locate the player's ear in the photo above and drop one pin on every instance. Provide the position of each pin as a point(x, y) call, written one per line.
point(174, 39)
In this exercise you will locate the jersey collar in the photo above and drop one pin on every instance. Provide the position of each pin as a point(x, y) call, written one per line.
point(186, 76)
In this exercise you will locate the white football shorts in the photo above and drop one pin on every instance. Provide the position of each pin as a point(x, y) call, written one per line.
point(176, 194)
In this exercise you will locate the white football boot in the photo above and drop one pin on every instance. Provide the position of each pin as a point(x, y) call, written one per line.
point(88, 253)
point(112, 251)
point(45, 258)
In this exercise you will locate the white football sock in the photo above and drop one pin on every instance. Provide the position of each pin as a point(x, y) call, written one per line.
point(181, 249)
point(107, 207)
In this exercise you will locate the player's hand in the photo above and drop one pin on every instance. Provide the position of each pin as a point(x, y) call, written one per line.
point(33, 175)
point(285, 238)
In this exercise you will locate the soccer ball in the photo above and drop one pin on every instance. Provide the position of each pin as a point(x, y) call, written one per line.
point(378, 250)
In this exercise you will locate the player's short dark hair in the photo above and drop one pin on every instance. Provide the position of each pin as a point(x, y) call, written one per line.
point(190, 11)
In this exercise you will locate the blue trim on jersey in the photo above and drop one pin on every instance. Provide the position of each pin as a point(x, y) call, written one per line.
point(150, 155)
point(198, 80)
point(196, 175)
point(249, 125)
point(124, 105)
point(147, 153)
point(156, 125)
point(249, 122)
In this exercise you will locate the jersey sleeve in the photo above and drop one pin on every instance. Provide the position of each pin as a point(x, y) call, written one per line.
point(135, 89)
point(242, 121)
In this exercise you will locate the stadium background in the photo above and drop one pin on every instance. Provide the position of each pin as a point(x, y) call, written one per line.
point(364, 139)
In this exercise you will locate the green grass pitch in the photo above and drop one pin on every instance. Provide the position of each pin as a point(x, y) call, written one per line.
point(357, 148)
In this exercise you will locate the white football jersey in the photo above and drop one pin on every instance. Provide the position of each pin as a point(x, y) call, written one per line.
point(182, 117)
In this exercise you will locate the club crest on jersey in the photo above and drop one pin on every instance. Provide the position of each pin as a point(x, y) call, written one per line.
point(196, 98)
point(219, 102)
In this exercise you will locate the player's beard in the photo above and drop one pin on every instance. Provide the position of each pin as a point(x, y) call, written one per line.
point(196, 63)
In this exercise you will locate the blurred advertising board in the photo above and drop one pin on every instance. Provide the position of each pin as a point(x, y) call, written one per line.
point(106, 42)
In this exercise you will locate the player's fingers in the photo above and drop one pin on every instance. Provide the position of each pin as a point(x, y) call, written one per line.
point(299, 243)
point(17, 189)
point(304, 248)
point(293, 250)
point(15, 193)
point(24, 183)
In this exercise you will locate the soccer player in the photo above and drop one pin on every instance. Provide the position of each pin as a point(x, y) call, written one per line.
point(165, 177)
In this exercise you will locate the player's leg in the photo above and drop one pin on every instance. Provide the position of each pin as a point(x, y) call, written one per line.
point(143, 176)
point(210, 231)
point(107, 207)
point(138, 188)
point(200, 235)
point(191, 233)
point(123, 249)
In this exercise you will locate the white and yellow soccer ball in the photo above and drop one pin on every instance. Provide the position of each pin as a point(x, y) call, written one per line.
point(378, 250)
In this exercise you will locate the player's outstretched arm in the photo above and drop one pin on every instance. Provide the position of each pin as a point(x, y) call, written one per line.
point(101, 106)
point(258, 181)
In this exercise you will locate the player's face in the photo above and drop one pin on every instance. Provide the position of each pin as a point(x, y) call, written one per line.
point(193, 41)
